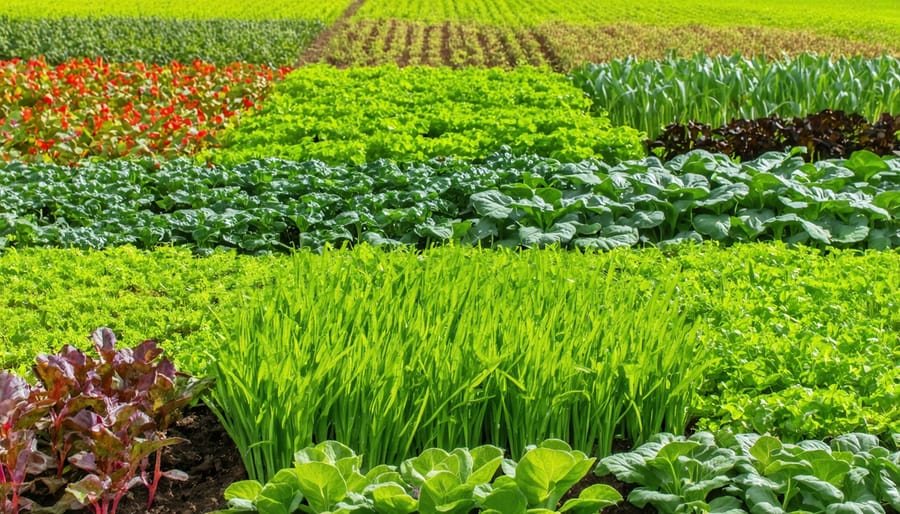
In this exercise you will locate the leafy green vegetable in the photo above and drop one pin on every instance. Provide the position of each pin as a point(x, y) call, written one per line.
point(411, 114)
point(509, 200)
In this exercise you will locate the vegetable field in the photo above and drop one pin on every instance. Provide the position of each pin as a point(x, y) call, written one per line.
point(398, 257)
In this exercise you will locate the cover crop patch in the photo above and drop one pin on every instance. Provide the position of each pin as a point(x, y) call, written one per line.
point(93, 108)
point(157, 40)
point(364, 114)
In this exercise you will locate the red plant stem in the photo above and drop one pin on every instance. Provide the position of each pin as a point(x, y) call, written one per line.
point(156, 478)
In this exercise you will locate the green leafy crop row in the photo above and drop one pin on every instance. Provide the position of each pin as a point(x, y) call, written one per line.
point(363, 114)
point(744, 472)
point(328, 478)
point(800, 344)
point(157, 40)
point(267, 205)
point(649, 94)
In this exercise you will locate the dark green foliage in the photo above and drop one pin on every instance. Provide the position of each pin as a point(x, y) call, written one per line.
point(509, 200)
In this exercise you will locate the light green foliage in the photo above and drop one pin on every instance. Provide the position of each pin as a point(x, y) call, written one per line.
point(326, 11)
point(436, 481)
point(392, 353)
point(50, 298)
point(872, 19)
point(800, 344)
point(648, 94)
point(157, 40)
point(363, 114)
point(806, 345)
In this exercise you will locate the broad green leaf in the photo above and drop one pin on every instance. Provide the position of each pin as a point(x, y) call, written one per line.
point(592, 499)
point(610, 237)
point(869, 507)
point(670, 452)
point(506, 498)
point(765, 451)
point(855, 442)
point(545, 474)
point(492, 204)
point(726, 505)
point(822, 490)
point(243, 489)
point(321, 484)
point(663, 502)
point(643, 219)
point(390, 497)
point(762, 500)
point(559, 233)
point(443, 492)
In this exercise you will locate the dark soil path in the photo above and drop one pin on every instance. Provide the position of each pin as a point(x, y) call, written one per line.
point(317, 48)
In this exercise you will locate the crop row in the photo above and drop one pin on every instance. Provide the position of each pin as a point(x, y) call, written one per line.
point(781, 329)
point(157, 40)
point(875, 20)
point(363, 114)
point(561, 46)
point(648, 94)
point(706, 472)
point(176, 9)
point(271, 204)
point(92, 108)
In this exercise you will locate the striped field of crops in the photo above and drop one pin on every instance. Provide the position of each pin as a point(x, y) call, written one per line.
point(488, 245)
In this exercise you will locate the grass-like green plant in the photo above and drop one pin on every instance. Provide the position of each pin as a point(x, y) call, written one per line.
point(410, 114)
point(649, 94)
point(392, 353)
point(157, 40)
point(197, 9)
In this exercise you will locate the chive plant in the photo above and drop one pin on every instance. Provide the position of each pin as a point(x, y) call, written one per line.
point(395, 352)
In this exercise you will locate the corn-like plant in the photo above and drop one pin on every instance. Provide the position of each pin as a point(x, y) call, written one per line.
point(392, 353)
point(649, 94)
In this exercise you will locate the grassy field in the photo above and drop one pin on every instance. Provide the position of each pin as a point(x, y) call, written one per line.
point(200, 9)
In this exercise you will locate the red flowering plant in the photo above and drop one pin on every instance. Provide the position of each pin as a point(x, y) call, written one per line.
point(93, 108)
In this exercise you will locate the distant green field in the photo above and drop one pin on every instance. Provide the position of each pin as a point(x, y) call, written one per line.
point(327, 10)
point(877, 20)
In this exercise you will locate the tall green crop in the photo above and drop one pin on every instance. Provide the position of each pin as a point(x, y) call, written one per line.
point(648, 94)
point(392, 353)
